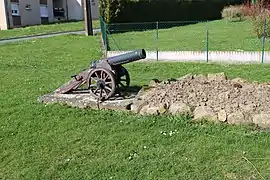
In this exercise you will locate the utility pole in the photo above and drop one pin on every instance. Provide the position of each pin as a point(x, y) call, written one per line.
point(88, 18)
point(8, 14)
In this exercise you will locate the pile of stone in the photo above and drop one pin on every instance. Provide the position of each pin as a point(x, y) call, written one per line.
point(211, 97)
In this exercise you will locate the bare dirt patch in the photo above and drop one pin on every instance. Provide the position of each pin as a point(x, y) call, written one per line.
point(213, 97)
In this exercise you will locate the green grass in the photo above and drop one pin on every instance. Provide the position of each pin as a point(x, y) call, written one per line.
point(45, 29)
point(40, 141)
point(223, 35)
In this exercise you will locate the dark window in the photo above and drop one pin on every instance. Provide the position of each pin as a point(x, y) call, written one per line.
point(16, 20)
point(43, 2)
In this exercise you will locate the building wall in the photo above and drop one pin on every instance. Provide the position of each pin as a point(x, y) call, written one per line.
point(75, 9)
point(50, 10)
point(31, 16)
point(95, 9)
point(29, 12)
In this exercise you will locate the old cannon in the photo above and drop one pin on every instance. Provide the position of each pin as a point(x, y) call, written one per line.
point(104, 77)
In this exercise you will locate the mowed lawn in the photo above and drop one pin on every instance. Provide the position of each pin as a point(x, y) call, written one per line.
point(223, 35)
point(40, 141)
point(45, 29)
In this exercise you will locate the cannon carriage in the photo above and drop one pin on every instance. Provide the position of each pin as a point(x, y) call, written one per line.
point(104, 77)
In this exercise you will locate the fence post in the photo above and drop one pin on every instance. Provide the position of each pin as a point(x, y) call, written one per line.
point(104, 34)
point(106, 38)
point(263, 40)
point(207, 43)
point(157, 39)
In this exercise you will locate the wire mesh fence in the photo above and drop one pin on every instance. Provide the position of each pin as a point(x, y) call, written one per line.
point(219, 35)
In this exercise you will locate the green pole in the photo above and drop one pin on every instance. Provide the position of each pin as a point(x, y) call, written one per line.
point(157, 39)
point(105, 39)
point(263, 40)
point(207, 44)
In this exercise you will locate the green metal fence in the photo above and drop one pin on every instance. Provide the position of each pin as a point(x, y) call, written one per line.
point(103, 28)
point(205, 36)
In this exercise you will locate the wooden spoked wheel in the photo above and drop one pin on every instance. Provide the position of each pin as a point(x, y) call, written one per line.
point(101, 83)
point(123, 80)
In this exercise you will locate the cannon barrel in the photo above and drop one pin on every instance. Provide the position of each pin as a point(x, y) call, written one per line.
point(127, 57)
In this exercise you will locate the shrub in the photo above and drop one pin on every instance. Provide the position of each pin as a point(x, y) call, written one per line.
point(259, 24)
point(233, 13)
point(109, 9)
point(126, 11)
point(253, 10)
point(259, 14)
point(250, 10)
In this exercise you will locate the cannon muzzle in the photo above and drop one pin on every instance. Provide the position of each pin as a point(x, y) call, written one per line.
point(127, 57)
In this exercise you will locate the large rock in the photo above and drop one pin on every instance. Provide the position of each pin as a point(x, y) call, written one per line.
point(222, 116)
point(179, 108)
point(217, 77)
point(262, 120)
point(137, 106)
point(149, 110)
point(205, 112)
point(163, 108)
point(237, 118)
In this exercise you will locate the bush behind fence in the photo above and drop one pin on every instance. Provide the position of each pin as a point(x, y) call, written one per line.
point(162, 10)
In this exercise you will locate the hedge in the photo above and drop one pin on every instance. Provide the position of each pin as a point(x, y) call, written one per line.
point(126, 11)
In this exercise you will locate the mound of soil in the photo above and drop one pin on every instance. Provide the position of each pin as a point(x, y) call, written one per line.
point(213, 97)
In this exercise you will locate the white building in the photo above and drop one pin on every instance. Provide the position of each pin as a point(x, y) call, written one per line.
point(17, 13)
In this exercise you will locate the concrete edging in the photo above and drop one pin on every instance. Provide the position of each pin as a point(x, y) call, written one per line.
point(201, 56)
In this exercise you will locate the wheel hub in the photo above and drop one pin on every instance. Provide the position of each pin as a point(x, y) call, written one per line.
point(100, 84)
